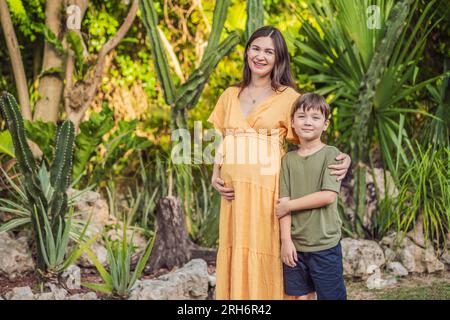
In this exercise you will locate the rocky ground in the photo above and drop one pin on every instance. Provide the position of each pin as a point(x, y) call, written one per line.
point(393, 268)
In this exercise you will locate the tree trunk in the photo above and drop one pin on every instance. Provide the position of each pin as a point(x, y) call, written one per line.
point(51, 85)
point(16, 60)
point(80, 96)
point(172, 247)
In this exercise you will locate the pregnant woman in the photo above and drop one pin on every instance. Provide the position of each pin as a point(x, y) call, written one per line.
point(253, 118)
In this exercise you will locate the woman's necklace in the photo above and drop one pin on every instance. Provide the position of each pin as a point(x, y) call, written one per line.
point(250, 94)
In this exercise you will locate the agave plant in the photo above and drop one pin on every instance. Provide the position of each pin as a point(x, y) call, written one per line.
point(16, 205)
point(46, 196)
point(367, 74)
point(120, 278)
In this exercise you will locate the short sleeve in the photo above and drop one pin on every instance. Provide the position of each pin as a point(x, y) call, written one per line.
point(330, 182)
point(291, 136)
point(217, 116)
point(285, 189)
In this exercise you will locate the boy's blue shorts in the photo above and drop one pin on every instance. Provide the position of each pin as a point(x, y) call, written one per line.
point(319, 271)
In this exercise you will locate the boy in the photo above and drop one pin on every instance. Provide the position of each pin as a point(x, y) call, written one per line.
point(309, 221)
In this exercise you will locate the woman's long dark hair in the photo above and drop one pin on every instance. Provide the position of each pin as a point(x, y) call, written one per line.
point(281, 73)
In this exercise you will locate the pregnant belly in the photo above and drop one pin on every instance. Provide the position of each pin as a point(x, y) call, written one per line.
point(252, 160)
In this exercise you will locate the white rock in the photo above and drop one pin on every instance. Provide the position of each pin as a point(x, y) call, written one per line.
point(20, 293)
point(84, 296)
point(212, 280)
point(432, 263)
point(91, 204)
point(15, 256)
point(390, 241)
point(72, 277)
point(358, 255)
point(187, 283)
point(417, 259)
point(375, 281)
point(56, 293)
point(445, 258)
point(412, 256)
point(396, 269)
point(99, 251)
point(45, 296)
point(389, 254)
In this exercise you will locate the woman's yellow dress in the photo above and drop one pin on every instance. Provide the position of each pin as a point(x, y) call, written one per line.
point(248, 260)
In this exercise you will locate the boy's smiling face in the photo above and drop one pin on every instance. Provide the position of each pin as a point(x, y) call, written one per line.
point(309, 124)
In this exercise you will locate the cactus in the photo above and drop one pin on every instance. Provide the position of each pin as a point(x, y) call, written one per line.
point(188, 94)
point(27, 166)
point(56, 207)
point(61, 170)
point(150, 19)
point(219, 18)
point(255, 17)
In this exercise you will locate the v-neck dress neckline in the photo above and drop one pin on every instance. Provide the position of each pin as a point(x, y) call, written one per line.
point(255, 108)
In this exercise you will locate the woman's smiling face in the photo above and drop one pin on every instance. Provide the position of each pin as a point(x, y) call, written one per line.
point(261, 56)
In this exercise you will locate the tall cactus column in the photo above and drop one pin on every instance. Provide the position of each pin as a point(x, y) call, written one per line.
point(54, 208)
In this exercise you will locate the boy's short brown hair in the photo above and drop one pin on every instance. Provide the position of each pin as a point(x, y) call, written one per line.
point(309, 101)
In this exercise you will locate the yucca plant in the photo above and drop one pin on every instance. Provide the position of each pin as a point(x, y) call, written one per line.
point(423, 202)
point(48, 206)
point(367, 74)
point(438, 132)
point(119, 279)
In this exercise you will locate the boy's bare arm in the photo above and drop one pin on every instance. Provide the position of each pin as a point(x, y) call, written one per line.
point(285, 223)
point(311, 201)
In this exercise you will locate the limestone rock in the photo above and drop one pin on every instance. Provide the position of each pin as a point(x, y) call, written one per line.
point(99, 251)
point(396, 269)
point(375, 281)
point(91, 204)
point(20, 293)
point(190, 282)
point(83, 296)
point(359, 255)
point(15, 256)
point(445, 258)
point(72, 277)
point(417, 259)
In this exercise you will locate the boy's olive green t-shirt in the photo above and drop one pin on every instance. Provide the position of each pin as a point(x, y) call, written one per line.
point(315, 229)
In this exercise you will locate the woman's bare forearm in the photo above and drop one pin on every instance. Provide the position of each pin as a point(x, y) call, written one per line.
point(312, 201)
point(216, 171)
